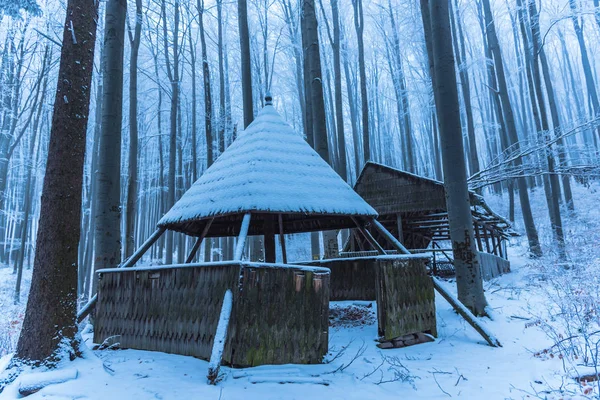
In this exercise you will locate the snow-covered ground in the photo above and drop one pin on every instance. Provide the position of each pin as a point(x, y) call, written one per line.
point(534, 361)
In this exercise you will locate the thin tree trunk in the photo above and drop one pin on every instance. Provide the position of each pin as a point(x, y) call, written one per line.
point(359, 26)
point(509, 120)
point(132, 174)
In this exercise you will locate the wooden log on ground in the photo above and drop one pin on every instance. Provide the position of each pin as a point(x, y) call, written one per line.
point(33, 383)
point(220, 338)
point(465, 313)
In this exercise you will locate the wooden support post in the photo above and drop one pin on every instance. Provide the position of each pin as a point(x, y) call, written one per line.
point(399, 246)
point(478, 236)
point(368, 236)
point(269, 238)
point(199, 241)
point(485, 236)
point(239, 248)
point(86, 309)
point(500, 246)
point(143, 249)
point(220, 338)
point(282, 238)
point(400, 231)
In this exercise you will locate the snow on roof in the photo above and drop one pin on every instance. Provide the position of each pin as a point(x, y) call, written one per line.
point(268, 168)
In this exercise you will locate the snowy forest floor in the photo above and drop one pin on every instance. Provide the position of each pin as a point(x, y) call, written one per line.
point(544, 314)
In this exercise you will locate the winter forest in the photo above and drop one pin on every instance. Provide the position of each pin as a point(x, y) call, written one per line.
point(280, 199)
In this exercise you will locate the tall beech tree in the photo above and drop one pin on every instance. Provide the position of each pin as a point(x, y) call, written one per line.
point(107, 241)
point(511, 128)
point(132, 174)
point(52, 305)
point(466, 259)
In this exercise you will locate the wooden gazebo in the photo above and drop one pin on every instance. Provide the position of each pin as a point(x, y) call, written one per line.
point(268, 182)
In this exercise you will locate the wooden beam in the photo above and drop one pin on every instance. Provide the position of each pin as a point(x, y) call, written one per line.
point(199, 241)
point(399, 246)
point(487, 242)
point(220, 338)
point(269, 235)
point(367, 235)
point(239, 248)
point(478, 236)
point(282, 238)
point(89, 307)
point(399, 224)
point(143, 249)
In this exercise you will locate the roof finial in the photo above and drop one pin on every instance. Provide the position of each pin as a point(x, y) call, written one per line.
point(268, 99)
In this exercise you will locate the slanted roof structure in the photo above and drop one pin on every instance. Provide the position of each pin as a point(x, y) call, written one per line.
point(414, 207)
point(269, 170)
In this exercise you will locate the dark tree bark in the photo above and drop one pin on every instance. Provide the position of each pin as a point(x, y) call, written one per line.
point(339, 104)
point(52, 304)
point(402, 102)
point(132, 174)
point(107, 239)
point(359, 24)
point(459, 48)
point(173, 75)
point(208, 128)
point(246, 62)
point(466, 260)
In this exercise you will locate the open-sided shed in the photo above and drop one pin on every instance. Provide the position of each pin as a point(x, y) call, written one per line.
point(413, 208)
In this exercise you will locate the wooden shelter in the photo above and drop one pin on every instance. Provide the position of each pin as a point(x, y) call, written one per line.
point(413, 209)
point(268, 182)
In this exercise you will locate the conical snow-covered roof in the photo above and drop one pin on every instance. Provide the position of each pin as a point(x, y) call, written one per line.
point(269, 169)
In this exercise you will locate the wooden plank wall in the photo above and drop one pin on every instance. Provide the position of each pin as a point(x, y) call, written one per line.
point(280, 315)
point(173, 310)
point(492, 265)
point(405, 297)
point(351, 279)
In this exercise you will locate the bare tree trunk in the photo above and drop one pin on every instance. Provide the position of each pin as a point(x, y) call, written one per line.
point(339, 104)
point(539, 53)
point(173, 74)
point(532, 236)
point(359, 26)
point(314, 98)
point(107, 240)
point(466, 259)
point(246, 67)
point(52, 304)
point(459, 48)
point(585, 62)
point(207, 90)
point(132, 174)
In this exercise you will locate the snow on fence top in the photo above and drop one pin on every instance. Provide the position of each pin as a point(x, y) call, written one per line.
point(269, 168)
